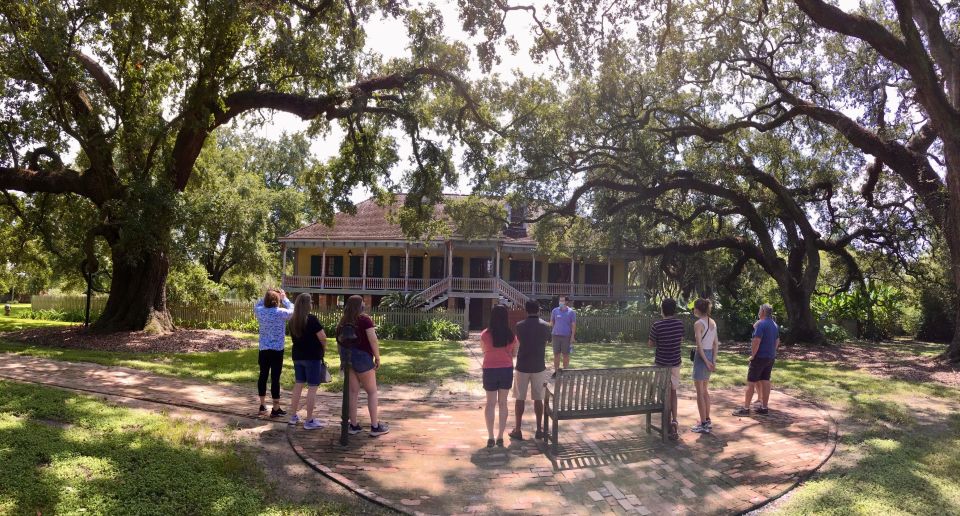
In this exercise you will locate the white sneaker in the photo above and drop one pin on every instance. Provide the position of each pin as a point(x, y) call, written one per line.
point(313, 424)
point(700, 428)
point(294, 419)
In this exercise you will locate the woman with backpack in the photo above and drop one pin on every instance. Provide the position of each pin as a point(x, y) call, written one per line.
point(498, 344)
point(704, 361)
point(309, 346)
point(272, 313)
point(357, 335)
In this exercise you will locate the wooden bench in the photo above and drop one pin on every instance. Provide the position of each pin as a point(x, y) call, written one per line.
point(596, 393)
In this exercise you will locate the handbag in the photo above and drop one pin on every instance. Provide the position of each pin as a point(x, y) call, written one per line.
point(325, 376)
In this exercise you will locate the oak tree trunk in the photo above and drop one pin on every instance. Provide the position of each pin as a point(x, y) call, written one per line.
point(953, 242)
point(138, 296)
point(801, 322)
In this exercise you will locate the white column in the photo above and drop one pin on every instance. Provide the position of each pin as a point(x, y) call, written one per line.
point(283, 268)
point(573, 266)
point(534, 273)
point(363, 281)
point(498, 261)
point(450, 268)
point(323, 266)
point(406, 268)
point(608, 277)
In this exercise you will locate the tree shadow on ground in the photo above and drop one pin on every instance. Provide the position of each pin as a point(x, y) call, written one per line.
point(68, 453)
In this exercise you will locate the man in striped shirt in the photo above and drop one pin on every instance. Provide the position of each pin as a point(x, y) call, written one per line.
point(666, 335)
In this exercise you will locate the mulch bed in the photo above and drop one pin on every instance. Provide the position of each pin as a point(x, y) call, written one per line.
point(878, 361)
point(180, 341)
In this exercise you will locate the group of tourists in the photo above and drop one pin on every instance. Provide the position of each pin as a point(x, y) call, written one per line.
point(511, 360)
point(275, 315)
point(527, 346)
point(666, 335)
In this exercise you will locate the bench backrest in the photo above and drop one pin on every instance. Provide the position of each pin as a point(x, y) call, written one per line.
point(596, 392)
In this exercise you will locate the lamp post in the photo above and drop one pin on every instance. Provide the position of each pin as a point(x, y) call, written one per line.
point(345, 361)
point(89, 268)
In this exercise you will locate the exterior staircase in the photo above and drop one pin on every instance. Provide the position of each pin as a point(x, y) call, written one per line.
point(440, 292)
point(435, 294)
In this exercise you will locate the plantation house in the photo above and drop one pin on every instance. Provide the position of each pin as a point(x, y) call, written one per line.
point(367, 254)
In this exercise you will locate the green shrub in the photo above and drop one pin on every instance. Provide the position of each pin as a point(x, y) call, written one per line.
point(57, 315)
point(835, 333)
point(937, 314)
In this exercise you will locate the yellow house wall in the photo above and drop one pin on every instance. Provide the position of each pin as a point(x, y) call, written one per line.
point(303, 254)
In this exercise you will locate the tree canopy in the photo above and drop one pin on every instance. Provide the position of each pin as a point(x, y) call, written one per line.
point(139, 88)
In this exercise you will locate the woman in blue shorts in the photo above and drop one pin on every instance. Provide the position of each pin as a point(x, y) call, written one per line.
point(309, 346)
point(364, 362)
point(499, 345)
point(704, 362)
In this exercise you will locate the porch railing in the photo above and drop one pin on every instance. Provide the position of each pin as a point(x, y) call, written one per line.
point(464, 285)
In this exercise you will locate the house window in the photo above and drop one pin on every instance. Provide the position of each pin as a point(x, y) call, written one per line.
point(334, 266)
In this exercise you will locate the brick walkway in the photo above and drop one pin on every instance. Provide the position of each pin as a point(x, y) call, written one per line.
point(434, 459)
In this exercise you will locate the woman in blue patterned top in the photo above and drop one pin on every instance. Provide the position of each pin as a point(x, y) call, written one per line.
point(272, 313)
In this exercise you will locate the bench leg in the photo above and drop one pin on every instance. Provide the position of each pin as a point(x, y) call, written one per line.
point(649, 418)
point(663, 425)
point(556, 431)
point(546, 418)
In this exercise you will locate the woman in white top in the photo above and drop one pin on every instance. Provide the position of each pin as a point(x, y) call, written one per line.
point(704, 362)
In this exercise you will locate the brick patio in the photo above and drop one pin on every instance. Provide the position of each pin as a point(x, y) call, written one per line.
point(435, 461)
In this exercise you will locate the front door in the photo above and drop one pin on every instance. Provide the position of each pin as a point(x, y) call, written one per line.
point(480, 267)
point(476, 313)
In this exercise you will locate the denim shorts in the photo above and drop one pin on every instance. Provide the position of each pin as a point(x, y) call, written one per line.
point(360, 361)
point(496, 378)
point(308, 372)
point(700, 370)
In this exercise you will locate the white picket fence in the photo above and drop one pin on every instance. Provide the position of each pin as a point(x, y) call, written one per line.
point(239, 312)
point(605, 327)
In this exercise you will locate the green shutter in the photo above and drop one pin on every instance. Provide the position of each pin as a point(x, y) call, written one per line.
point(377, 266)
point(337, 266)
point(316, 265)
point(396, 266)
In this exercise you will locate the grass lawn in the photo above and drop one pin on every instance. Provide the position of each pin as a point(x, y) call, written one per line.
point(17, 308)
point(14, 324)
point(65, 453)
point(403, 361)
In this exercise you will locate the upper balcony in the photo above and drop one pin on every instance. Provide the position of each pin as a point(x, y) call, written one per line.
point(458, 287)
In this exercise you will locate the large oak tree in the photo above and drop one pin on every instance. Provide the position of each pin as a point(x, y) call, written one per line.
point(138, 87)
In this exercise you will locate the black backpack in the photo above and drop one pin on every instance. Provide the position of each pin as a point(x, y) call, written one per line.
point(347, 336)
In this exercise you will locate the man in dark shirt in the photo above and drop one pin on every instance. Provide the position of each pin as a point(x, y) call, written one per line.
point(531, 369)
point(666, 335)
